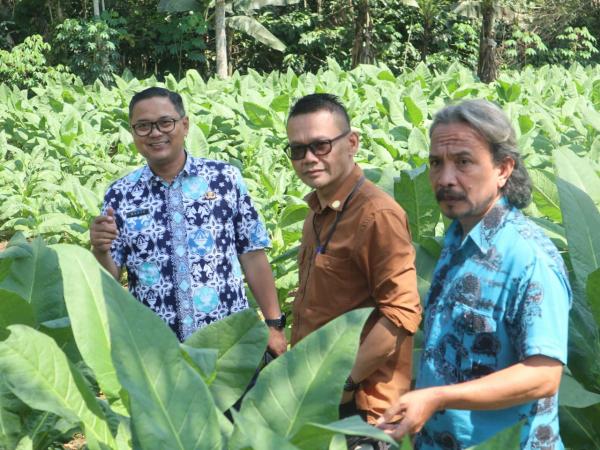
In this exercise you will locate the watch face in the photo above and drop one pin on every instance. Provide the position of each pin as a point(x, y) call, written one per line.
point(277, 323)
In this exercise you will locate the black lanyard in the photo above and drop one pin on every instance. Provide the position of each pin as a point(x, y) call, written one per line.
point(322, 248)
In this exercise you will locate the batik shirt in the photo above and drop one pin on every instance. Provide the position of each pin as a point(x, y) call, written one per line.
point(180, 241)
point(498, 296)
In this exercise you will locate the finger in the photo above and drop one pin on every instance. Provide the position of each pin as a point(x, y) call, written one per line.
point(389, 413)
point(110, 212)
point(401, 430)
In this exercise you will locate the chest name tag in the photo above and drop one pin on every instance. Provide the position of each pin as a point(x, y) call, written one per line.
point(137, 213)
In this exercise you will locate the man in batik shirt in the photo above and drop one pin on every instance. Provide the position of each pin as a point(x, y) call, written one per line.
point(184, 228)
point(496, 318)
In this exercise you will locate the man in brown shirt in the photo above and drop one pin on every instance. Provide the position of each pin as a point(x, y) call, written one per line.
point(356, 252)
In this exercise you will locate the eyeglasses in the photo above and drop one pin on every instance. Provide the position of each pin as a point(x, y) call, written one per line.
point(144, 128)
point(318, 148)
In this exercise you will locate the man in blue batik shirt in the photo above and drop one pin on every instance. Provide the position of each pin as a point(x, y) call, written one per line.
point(496, 318)
point(184, 228)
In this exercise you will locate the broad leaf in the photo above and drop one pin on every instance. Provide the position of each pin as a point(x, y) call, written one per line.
point(414, 193)
point(305, 384)
point(259, 436)
point(311, 434)
point(170, 405)
point(593, 293)
point(82, 281)
point(579, 427)
point(253, 28)
point(36, 278)
point(37, 371)
point(510, 438)
point(241, 340)
point(574, 395)
point(545, 194)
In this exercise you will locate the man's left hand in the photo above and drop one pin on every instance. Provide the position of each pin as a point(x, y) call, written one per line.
point(277, 342)
point(415, 408)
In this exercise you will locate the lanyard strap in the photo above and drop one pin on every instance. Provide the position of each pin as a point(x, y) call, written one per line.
point(322, 248)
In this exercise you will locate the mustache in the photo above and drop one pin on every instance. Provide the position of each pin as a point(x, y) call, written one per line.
point(449, 194)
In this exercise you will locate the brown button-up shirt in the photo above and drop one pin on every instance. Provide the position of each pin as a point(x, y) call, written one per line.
point(369, 261)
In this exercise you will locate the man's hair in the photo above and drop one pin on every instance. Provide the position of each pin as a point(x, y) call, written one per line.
point(155, 91)
point(494, 126)
point(320, 102)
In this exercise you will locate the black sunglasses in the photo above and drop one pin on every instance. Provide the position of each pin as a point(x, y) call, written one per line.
point(318, 148)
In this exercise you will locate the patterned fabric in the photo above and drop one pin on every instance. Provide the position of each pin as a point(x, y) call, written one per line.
point(498, 297)
point(180, 241)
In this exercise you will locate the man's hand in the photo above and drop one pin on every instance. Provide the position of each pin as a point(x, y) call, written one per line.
point(277, 342)
point(103, 231)
point(414, 408)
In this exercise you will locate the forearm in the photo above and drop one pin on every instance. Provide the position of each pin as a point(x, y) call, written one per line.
point(381, 342)
point(260, 280)
point(534, 378)
point(105, 259)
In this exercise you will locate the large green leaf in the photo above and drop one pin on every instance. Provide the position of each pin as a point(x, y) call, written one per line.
point(574, 395)
point(85, 302)
point(241, 340)
point(10, 421)
point(414, 193)
point(14, 309)
point(580, 215)
point(593, 293)
point(579, 427)
point(259, 436)
point(578, 171)
point(545, 194)
point(311, 434)
point(36, 278)
point(254, 29)
point(305, 384)
point(38, 372)
point(170, 405)
point(510, 438)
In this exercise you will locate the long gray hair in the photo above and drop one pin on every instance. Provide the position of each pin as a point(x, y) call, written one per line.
point(493, 125)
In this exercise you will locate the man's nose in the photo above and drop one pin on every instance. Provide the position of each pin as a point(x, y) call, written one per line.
point(309, 157)
point(446, 176)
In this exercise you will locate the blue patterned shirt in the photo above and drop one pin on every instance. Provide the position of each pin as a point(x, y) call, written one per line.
point(180, 241)
point(498, 296)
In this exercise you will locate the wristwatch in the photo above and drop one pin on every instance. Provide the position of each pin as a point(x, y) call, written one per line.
point(278, 323)
point(350, 385)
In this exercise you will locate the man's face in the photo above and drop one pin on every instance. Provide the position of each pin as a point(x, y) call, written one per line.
point(160, 149)
point(327, 172)
point(465, 179)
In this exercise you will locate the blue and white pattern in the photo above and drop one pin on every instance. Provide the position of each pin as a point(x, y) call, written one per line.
point(498, 296)
point(180, 241)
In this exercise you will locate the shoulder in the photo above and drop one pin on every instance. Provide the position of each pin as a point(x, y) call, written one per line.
point(127, 182)
point(375, 202)
point(527, 244)
point(214, 166)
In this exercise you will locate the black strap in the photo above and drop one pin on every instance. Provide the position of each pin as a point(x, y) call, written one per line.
point(323, 248)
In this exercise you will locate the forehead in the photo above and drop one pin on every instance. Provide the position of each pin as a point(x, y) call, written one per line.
point(455, 138)
point(318, 124)
point(153, 108)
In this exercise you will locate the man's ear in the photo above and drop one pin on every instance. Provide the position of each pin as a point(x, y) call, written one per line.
point(354, 140)
point(505, 168)
point(186, 125)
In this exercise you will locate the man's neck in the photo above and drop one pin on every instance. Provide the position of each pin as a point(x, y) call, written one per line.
point(169, 171)
point(325, 194)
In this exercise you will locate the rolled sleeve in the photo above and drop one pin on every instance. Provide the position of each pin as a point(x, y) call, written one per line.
point(386, 254)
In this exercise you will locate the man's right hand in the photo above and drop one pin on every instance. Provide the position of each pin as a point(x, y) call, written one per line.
point(103, 231)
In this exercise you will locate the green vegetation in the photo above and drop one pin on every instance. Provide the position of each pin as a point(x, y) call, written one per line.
point(63, 142)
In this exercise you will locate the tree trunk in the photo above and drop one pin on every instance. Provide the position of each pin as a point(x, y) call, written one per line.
point(220, 38)
point(486, 66)
point(96, 4)
point(362, 51)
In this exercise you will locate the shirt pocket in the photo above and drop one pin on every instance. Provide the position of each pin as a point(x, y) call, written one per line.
point(334, 284)
point(479, 342)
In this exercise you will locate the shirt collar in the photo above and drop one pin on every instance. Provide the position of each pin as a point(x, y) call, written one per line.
point(484, 232)
point(188, 169)
point(337, 200)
